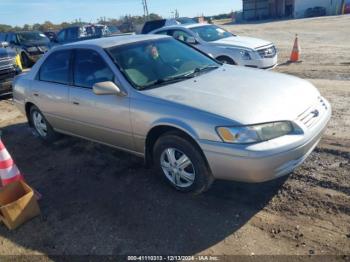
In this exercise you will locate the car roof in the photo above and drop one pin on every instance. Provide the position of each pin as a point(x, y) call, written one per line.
point(25, 32)
point(188, 26)
point(112, 41)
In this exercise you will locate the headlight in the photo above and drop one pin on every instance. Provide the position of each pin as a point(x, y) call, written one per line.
point(32, 49)
point(245, 55)
point(254, 133)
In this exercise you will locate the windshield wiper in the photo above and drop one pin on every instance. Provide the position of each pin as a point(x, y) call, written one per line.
point(168, 80)
point(198, 70)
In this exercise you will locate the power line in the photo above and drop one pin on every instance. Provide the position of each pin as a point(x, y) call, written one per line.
point(145, 8)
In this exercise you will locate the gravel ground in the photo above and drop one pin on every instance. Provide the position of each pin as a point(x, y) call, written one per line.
point(97, 200)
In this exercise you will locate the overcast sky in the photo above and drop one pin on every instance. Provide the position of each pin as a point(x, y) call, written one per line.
point(19, 12)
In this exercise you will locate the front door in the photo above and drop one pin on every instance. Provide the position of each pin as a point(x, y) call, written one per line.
point(103, 118)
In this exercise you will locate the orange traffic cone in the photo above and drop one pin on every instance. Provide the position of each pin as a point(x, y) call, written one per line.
point(295, 56)
point(8, 169)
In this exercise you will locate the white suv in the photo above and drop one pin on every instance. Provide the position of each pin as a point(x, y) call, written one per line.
point(223, 45)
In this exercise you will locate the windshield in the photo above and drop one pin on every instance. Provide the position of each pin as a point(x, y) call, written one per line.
point(150, 64)
point(210, 33)
point(113, 29)
point(32, 37)
point(93, 31)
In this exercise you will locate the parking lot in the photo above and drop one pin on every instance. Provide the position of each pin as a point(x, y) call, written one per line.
point(97, 200)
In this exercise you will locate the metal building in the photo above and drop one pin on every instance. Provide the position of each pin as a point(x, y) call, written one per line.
point(267, 9)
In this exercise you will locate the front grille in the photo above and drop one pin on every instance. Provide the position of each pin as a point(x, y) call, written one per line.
point(313, 114)
point(267, 52)
point(7, 62)
point(43, 48)
point(7, 74)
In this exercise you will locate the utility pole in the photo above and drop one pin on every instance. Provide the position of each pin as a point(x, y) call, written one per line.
point(145, 9)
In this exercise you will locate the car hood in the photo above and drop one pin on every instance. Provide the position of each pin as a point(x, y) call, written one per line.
point(243, 95)
point(243, 41)
point(35, 43)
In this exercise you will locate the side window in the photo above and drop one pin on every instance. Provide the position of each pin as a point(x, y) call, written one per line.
point(90, 68)
point(61, 37)
point(13, 38)
point(2, 37)
point(72, 34)
point(180, 35)
point(56, 68)
point(9, 37)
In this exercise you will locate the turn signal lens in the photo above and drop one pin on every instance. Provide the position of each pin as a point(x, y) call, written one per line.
point(225, 134)
point(254, 133)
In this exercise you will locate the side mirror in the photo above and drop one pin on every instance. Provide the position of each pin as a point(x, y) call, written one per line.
point(4, 44)
point(107, 88)
point(191, 40)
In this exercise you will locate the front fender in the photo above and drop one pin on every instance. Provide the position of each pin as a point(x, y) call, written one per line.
point(176, 123)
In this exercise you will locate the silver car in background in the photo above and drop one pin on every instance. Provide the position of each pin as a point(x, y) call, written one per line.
point(193, 118)
point(225, 46)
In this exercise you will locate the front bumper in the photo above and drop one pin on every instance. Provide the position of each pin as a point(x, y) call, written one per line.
point(6, 78)
point(231, 162)
point(5, 87)
point(262, 63)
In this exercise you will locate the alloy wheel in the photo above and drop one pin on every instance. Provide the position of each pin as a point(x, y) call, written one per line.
point(177, 167)
point(39, 123)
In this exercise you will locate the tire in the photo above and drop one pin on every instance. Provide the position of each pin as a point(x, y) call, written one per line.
point(41, 126)
point(226, 60)
point(26, 63)
point(194, 176)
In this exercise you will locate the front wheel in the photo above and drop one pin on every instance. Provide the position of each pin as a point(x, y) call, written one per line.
point(181, 164)
point(41, 127)
point(226, 60)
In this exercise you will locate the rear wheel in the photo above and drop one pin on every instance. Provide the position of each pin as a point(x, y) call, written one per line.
point(181, 164)
point(226, 60)
point(41, 127)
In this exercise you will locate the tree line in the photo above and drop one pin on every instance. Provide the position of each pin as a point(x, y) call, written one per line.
point(126, 24)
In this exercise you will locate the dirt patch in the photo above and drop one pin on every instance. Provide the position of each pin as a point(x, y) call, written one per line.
point(97, 200)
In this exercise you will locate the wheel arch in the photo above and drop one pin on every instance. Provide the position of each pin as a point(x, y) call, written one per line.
point(27, 108)
point(157, 131)
point(227, 58)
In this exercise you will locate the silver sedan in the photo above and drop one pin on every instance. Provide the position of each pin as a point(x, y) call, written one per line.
point(193, 118)
point(225, 46)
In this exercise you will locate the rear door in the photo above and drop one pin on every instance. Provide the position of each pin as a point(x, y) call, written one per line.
point(103, 118)
point(51, 87)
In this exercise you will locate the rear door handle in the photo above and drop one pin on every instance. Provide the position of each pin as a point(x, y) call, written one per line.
point(76, 103)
